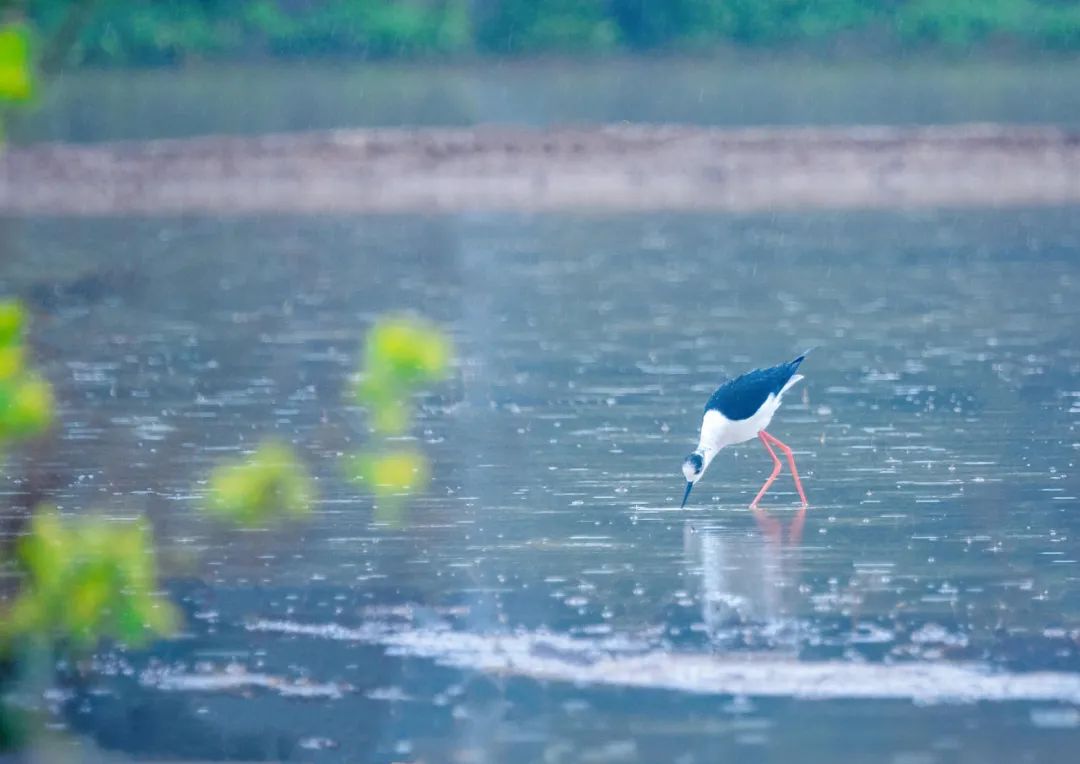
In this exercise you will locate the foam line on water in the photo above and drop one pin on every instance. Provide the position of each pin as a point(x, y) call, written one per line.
point(235, 679)
point(625, 662)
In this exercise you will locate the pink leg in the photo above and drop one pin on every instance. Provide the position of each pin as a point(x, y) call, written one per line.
point(776, 468)
point(791, 461)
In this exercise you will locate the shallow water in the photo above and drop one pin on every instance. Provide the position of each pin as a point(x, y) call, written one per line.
point(546, 600)
point(727, 91)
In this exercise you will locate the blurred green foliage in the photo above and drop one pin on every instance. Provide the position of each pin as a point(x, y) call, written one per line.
point(16, 80)
point(549, 25)
point(171, 31)
point(26, 400)
point(958, 23)
point(391, 472)
point(401, 354)
point(16, 68)
point(87, 579)
point(271, 485)
point(83, 580)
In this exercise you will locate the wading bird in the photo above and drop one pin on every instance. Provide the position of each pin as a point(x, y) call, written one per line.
point(739, 411)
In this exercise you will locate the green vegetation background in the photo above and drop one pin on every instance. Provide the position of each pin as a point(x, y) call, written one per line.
point(157, 32)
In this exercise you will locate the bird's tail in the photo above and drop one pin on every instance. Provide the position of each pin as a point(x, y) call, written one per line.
point(802, 357)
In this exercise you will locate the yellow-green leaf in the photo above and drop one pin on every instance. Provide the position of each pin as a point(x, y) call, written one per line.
point(16, 79)
point(12, 321)
point(11, 361)
point(405, 351)
point(271, 485)
point(87, 579)
point(390, 473)
point(29, 409)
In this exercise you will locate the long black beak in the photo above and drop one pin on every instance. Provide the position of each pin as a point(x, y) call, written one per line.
point(686, 495)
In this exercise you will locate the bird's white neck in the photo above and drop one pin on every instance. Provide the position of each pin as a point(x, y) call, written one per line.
point(708, 453)
point(714, 433)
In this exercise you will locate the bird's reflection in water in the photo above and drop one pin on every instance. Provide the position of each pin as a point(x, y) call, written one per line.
point(749, 580)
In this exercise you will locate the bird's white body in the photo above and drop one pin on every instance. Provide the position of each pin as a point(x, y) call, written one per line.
point(717, 431)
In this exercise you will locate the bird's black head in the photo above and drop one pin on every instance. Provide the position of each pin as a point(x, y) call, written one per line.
point(693, 467)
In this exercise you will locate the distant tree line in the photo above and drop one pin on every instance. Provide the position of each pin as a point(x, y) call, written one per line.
point(156, 32)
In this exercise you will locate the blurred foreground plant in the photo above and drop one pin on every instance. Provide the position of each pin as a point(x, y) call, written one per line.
point(26, 400)
point(400, 471)
point(270, 485)
point(87, 579)
point(16, 71)
point(26, 409)
point(402, 354)
point(16, 78)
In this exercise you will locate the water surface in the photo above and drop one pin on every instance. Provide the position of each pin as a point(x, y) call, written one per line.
point(546, 600)
point(727, 91)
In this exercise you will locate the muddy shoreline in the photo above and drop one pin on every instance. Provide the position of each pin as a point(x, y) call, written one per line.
point(608, 168)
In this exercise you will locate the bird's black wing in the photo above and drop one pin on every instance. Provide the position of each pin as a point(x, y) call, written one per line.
point(740, 398)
